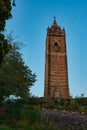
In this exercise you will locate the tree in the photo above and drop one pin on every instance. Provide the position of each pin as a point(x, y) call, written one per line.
point(5, 14)
point(16, 78)
point(4, 48)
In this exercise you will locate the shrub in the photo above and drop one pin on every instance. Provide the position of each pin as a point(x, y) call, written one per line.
point(81, 101)
point(72, 107)
point(4, 127)
point(18, 112)
point(13, 114)
point(29, 114)
point(49, 105)
point(23, 125)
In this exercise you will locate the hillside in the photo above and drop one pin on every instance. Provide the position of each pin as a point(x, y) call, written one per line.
point(64, 120)
point(40, 114)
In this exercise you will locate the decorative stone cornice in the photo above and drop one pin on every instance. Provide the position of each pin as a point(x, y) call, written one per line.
point(55, 29)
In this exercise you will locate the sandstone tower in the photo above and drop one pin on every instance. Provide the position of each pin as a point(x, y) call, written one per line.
point(56, 73)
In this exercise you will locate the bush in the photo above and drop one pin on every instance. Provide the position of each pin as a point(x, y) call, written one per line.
point(3, 127)
point(81, 101)
point(72, 107)
point(23, 125)
point(60, 102)
point(30, 114)
point(13, 114)
point(18, 113)
point(49, 105)
point(24, 116)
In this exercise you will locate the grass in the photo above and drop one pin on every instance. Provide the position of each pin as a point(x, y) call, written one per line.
point(3, 127)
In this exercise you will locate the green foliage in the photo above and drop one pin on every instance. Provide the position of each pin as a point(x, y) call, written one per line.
point(72, 107)
point(4, 48)
point(5, 14)
point(82, 101)
point(15, 77)
point(23, 124)
point(6, 128)
point(48, 105)
point(20, 115)
point(60, 102)
point(13, 113)
point(30, 113)
point(25, 116)
point(34, 101)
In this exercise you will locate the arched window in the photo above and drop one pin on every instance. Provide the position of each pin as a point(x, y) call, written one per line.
point(55, 44)
point(56, 47)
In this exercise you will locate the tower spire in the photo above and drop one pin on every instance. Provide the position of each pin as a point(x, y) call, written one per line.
point(54, 18)
point(54, 22)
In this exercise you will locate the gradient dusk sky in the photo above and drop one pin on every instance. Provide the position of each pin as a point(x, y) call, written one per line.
point(30, 21)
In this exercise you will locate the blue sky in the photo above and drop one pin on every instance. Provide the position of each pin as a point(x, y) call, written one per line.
point(30, 21)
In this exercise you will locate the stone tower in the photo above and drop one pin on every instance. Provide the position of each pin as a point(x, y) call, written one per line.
point(56, 73)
